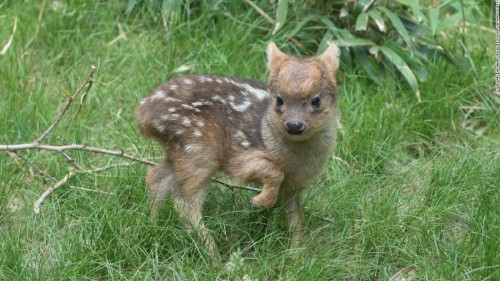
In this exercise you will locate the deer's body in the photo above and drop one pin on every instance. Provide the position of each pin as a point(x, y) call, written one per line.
point(278, 135)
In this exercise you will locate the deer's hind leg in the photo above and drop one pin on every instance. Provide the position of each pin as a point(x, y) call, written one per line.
point(161, 182)
point(193, 178)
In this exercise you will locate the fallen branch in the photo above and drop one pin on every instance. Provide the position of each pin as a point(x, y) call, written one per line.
point(232, 186)
point(49, 191)
point(65, 179)
point(63, 148)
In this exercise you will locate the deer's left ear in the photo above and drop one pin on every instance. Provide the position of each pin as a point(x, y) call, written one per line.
point(330, 58)
point(274, 56)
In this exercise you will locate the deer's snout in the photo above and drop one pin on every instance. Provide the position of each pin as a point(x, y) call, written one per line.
point(295, 127)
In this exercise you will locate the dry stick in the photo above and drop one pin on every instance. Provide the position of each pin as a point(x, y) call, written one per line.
point(49, 190)
point(65, 179)
point(63, 148)
point(40, 15)
point(232, 186)
point(88, 81)
point(38, 170)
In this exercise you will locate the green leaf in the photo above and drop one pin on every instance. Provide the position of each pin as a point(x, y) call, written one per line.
point(374, 71)
point(408, 2)
point(281, 13)
point(301, 24)
point(362, 22)
point(379, 20)
point(449, 22)
point(434, 19)
point(324, 42)
point(345, 39)
point(362, 6)
point(398, 25)
point(401, 65)
point(411, 59)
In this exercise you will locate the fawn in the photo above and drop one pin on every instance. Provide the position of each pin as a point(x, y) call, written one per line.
point(278, 135)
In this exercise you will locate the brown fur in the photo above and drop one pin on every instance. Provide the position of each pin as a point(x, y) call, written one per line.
point(207, 124)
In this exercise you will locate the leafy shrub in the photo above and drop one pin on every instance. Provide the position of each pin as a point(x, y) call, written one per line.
point(376, 37)
point(383, 36)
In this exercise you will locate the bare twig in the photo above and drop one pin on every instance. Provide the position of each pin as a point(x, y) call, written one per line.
point(88, 81)
point(49, 191)
point(37, 169)
point(65, 179)
point(232, 186)
point(260, 11)
point(71, 160)
point(63, 148)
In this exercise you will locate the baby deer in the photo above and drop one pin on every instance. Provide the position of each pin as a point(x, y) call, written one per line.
point(278, 135)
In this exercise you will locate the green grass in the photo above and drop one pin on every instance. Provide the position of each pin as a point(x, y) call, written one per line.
point(418, 184)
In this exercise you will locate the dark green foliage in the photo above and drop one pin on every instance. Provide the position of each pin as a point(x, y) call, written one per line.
point(378, 38)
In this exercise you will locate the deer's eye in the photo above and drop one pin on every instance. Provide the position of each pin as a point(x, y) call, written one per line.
point(316, 101)
point(279, 101)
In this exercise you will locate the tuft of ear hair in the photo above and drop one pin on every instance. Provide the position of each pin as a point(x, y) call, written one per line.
point(330, 58)
point(274, 55)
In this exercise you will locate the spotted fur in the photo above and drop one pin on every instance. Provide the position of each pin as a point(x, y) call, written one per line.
point(278, 135)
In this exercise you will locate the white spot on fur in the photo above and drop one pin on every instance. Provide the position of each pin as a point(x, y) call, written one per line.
point(158, 95)
point(200, 123)
point(187, 81)
point(159, 126)
point(231, 98)
point(169, 99)
point(197, 133)
point(241, 107)
point(218, 98)
point(186, 122)
point(173, 87)
point(205, 79)
point(218, 80)
point(170, 117)
point(245, 144)
point(196, 104)
point(186, 106)
point(209, 103)
point(239, 135)
point(179, 132)
point(142, 101)
point(172, 110)
point(259, 93)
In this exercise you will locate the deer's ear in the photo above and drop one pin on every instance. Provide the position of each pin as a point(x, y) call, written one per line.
point(330, 58)
point(274, 56)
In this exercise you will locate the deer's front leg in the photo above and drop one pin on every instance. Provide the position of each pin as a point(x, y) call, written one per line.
point(295, 218)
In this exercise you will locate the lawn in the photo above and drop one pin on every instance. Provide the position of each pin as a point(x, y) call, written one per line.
point(411, 190)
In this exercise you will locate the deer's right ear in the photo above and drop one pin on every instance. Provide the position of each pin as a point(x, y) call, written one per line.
point(274, 56)
point(331, 58)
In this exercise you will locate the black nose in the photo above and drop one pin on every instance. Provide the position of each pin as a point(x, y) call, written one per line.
point(295, 127)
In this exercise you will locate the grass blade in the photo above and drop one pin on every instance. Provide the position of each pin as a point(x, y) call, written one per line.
point(345, 39)
point(371, 68)
point(401, 65)
point(362, 22)
point(379, 20)
point(281, 14)
point(398, 25)
point(434, 19)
